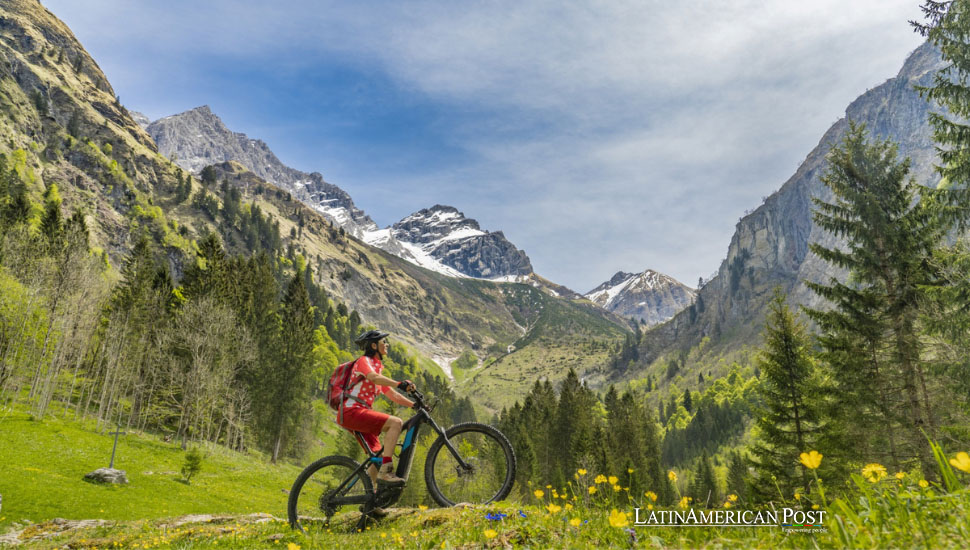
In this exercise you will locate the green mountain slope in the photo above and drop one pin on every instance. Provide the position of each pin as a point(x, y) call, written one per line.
point(63, 124)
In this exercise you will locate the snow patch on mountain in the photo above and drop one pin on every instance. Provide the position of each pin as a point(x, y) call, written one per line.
point(650, 296)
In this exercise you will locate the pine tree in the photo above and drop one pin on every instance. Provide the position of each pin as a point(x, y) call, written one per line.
point(789, 421)
point(872, 338)
point(703, 488)
point(948, 28)
point(288, 385)
point(738, 478)
point(52, 222)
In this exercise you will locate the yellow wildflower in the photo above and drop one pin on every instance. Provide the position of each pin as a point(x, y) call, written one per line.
point(815, 507)
point(616, 488)
point(629, 470)
point(961, 462)
point(553, 508)
point(489, 533)
point(727, 504)
point(575, 522)
point(924, 484)
point(618, 519)
point(600, 479)
point(592, 489)
point(548, 486)
point(651, 495)
point(292, 546)
point(900, 475)
point(733, 497)
point(555, 493)
point(383, 535)
point(649, 506)
point(538, 493)
point(581, 471)
point(811, 460)
point(672, 475)
point(613, 480)
point(683, 502)
point(569, 506)
point(798, 496)
point(874, 472)
point(422, 507)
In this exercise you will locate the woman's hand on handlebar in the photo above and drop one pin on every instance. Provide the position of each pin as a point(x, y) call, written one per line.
point(406, 385)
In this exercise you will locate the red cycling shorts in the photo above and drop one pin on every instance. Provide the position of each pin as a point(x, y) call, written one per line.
point(367, 421)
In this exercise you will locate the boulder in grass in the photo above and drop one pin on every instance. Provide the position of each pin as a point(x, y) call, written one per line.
point(107, 475)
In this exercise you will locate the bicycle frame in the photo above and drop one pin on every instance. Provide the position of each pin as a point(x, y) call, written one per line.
point(411, 428)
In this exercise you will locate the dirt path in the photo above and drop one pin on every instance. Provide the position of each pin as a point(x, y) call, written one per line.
point(36, 532)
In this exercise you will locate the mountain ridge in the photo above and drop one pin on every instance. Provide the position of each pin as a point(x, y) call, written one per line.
point(650, 296)
point(770, 245)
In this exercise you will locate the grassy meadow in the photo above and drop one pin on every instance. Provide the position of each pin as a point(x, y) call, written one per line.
point(238, 501)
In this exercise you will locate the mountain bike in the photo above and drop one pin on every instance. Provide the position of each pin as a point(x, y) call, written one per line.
point(468, 463)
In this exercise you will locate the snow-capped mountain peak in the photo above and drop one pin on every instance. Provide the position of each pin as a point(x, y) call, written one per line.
point(442, 239)
point(650, 296)
point(439, 238)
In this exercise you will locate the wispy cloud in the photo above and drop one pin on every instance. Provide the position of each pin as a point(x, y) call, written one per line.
point(598, 135)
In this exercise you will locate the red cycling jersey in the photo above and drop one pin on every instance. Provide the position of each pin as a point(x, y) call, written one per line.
point(365, 390)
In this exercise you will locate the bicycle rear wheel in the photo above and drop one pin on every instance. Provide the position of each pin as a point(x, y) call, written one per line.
point(491, 466)
point(320, 491)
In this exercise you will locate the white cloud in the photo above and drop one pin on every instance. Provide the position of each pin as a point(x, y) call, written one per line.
point(599, 135)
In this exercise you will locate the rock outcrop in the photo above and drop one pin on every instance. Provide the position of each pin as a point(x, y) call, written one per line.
point(649, 297)
point(770, 246)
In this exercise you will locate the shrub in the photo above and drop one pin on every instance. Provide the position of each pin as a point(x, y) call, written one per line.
point(192, 464)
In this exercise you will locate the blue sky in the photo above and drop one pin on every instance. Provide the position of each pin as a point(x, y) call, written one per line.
point(599, 136)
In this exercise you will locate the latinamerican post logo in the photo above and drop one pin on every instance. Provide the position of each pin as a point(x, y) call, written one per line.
point(788, 519)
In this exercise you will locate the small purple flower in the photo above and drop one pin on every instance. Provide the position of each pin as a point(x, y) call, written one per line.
point(497, 516)
point(521, 513)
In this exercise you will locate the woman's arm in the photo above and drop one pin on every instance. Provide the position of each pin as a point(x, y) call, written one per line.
point(398, 398)
point(389, 383)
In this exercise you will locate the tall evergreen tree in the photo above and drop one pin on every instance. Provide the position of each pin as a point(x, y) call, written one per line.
point(52, 222)
point(288, 384)
point(872, 337)
point(790, 420)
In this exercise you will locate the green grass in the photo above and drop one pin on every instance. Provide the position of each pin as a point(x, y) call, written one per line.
point(920, 519)
point(43, 462)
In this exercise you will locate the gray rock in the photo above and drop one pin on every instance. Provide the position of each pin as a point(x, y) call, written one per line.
point(198, 138)
point(107, 475)
point(140, 119)
point(460, 243)
point(770, 246)
point(650, 297)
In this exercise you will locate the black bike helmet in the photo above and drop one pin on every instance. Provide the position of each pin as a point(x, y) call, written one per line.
point(370, 336)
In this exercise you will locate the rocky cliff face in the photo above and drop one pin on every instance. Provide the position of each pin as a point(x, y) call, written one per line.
point(446, 235)
point(198, 138)
point(438, 238)
point(770, 246)
point(432, 238)
point(649, 297)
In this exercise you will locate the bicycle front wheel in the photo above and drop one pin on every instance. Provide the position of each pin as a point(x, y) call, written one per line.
point(323, 488)
point(490, 466)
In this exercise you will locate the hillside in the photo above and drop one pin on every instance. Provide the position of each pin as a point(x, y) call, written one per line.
point(63, 124)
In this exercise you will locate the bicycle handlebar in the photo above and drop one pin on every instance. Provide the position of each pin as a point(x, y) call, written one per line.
point(418, 399)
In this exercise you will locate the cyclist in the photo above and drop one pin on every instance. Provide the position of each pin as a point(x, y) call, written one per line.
point(358, 413)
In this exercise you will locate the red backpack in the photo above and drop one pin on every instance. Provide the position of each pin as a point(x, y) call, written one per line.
point(338, 389)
